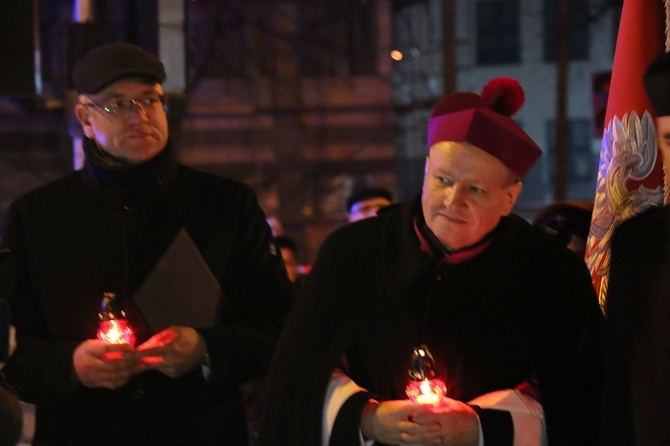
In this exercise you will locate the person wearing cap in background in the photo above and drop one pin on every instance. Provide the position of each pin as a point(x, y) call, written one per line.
point(500, 305)
point(570, 221)
point(289, 252)
point(103, 229)
point(637, 359)
point(366, 202)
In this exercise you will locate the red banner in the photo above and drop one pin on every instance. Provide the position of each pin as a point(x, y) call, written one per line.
point(630, 176)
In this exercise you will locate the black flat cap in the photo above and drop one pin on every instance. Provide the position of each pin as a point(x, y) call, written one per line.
point(657, 83)
point(109, 63)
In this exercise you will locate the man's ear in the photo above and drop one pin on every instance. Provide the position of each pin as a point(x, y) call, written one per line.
point(83, 114)
point(512, 192)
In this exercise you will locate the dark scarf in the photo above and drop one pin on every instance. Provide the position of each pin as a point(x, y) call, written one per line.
point(135, 182)
point(128, 187)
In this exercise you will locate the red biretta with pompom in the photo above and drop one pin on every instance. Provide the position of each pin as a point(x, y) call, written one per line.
point(485, 121)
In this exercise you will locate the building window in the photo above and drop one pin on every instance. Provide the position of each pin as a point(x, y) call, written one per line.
point(579, 32)
point(336, 38)
point(498, 32)
point(582, 163)
point(242, 38)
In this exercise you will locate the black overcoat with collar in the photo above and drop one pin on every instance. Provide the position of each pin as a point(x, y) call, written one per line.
point(96, 231)
point(524, 307)
point(637, 360)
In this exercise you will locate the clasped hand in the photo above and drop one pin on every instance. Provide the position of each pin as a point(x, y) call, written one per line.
point(402, 422)
point(173, 351)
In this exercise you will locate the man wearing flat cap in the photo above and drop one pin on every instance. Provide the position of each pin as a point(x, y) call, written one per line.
point(163, 244)
point(450, 286)
point(366, 202)
point(638, 305)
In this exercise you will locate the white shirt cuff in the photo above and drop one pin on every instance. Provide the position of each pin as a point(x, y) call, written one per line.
point(527, 415)
point(340, 388)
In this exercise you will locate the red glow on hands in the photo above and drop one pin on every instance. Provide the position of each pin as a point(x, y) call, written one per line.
point(116, 331)
point(426, 391)
point(153, 360)
point(154, 345)
point(159, 339)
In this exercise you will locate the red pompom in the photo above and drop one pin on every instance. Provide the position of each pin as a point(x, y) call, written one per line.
point(503, 95)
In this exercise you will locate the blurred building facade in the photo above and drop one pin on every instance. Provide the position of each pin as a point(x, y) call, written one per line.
point(517, 38)
point(306, 100)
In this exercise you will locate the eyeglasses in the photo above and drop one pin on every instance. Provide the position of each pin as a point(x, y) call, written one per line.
point(126, 107)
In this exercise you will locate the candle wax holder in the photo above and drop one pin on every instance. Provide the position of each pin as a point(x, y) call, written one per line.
point(424, 387)
point(114, 328)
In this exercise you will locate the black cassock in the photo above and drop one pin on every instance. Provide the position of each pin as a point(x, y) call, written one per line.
point(523, 307)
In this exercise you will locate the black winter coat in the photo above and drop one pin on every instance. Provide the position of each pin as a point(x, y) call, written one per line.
point(523, 307)
point(637, 386)
point(95, 231)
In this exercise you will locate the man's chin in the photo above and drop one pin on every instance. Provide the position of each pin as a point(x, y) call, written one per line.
point(141, 155)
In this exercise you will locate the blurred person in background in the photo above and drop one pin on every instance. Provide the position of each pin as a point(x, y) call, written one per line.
point(366, 202)
point(569, 221)
point(289, 253)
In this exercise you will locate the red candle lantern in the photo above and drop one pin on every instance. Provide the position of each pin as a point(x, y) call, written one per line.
point(114, 328)
point(424, 387)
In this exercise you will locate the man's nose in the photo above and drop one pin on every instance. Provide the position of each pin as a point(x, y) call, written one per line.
point(454, 195)
point(138, 111)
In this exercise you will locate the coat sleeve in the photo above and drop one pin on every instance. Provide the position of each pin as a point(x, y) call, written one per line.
point(255, 284)
point(314, 338)
point(39, 367)
point(637, 335)
point(566, 343)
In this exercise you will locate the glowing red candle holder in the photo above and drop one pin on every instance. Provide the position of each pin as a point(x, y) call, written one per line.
point(114, 328)
point(116, 331)
point(424, 387)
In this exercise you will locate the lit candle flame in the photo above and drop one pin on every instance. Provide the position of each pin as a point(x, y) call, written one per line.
point(426, 391)
point(116, 331)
